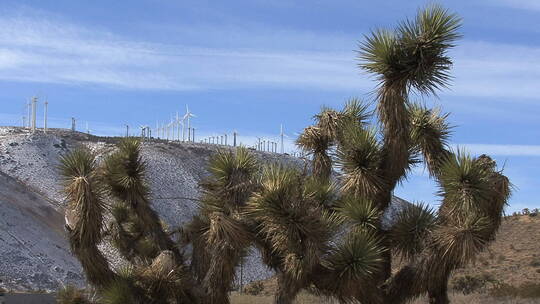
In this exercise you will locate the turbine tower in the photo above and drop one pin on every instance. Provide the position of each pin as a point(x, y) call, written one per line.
point(187, 116)
point(45, 118)
point(34, 110)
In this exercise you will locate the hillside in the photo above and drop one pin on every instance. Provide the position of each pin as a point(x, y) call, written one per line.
point(32, 241)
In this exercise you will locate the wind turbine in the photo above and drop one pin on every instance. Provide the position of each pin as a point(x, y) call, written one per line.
point(178, 123)
point(187, 116)
point(172, 124)
point(282, 135)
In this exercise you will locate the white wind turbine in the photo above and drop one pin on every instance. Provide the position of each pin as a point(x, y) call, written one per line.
point(178, 123)
point(282, 135)
point(187, 116)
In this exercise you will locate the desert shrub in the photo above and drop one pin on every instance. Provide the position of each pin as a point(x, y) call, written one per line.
point(72, 295)
point(468, 284)
point(535, 262)
point(525, 290)
point(254, 288)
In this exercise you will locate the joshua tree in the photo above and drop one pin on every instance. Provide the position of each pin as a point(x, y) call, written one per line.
point(84, 214)
point(219, 233)
point(411, 57)
point(319, 228)
point(157, 273)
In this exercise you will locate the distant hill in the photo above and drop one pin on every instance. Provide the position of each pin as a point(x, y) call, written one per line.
point(35, 253)
point(514, 257)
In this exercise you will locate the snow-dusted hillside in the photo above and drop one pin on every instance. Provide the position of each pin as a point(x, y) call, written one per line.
point(33, 247)
point(34, 250)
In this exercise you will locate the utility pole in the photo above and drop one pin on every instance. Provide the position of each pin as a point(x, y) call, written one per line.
point(127, 130)
point(45, 117)
point(72, 124)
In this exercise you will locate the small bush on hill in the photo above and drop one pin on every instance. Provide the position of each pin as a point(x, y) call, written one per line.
point(468, 284)
point(254, 288)
point(72, 295)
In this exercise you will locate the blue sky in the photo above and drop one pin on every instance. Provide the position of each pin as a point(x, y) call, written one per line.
point(253, 65)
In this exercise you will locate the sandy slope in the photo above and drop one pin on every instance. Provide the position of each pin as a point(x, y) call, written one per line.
point(34, 252)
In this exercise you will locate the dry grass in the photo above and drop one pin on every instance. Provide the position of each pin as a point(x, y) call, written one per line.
point(514, 258)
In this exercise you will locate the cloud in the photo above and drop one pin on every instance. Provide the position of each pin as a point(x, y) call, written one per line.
point(499, 70)
point(521, 4)
point(57, 52)
point(51, 50)
point(501, 150)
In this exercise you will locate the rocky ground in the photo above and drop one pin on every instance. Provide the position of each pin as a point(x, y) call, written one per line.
point(35, 253)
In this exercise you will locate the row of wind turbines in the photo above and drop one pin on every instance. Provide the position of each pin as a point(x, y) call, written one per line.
point(175, 130)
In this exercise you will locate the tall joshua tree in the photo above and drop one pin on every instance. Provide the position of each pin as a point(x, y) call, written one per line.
point(219, 233)
point(410, 58)
point(157, 273)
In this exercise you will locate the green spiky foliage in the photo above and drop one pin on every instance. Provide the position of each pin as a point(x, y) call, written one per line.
point(123, 173)
point(219, 234)
point(429, 135)
point(292, 226)
point(84, 214)
point(316, 143)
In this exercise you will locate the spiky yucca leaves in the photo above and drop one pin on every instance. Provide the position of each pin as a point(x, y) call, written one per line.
point(128, 235)
point(414, 55)
point(219, 234)
point(429, 135)
point(351, 269)
point(292, 226)
point(84, 214)
point(411, 227)
point(359, 159)
point(123, 172)
point(358, 214)
point(316, 142)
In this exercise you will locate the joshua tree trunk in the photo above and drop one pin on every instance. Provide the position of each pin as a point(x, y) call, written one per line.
point(439, 295)
point(287, 289)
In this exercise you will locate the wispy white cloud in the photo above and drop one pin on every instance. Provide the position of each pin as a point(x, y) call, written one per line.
point(495, 70)
point(501, 150)
point(520, 4)
point(48, 49)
